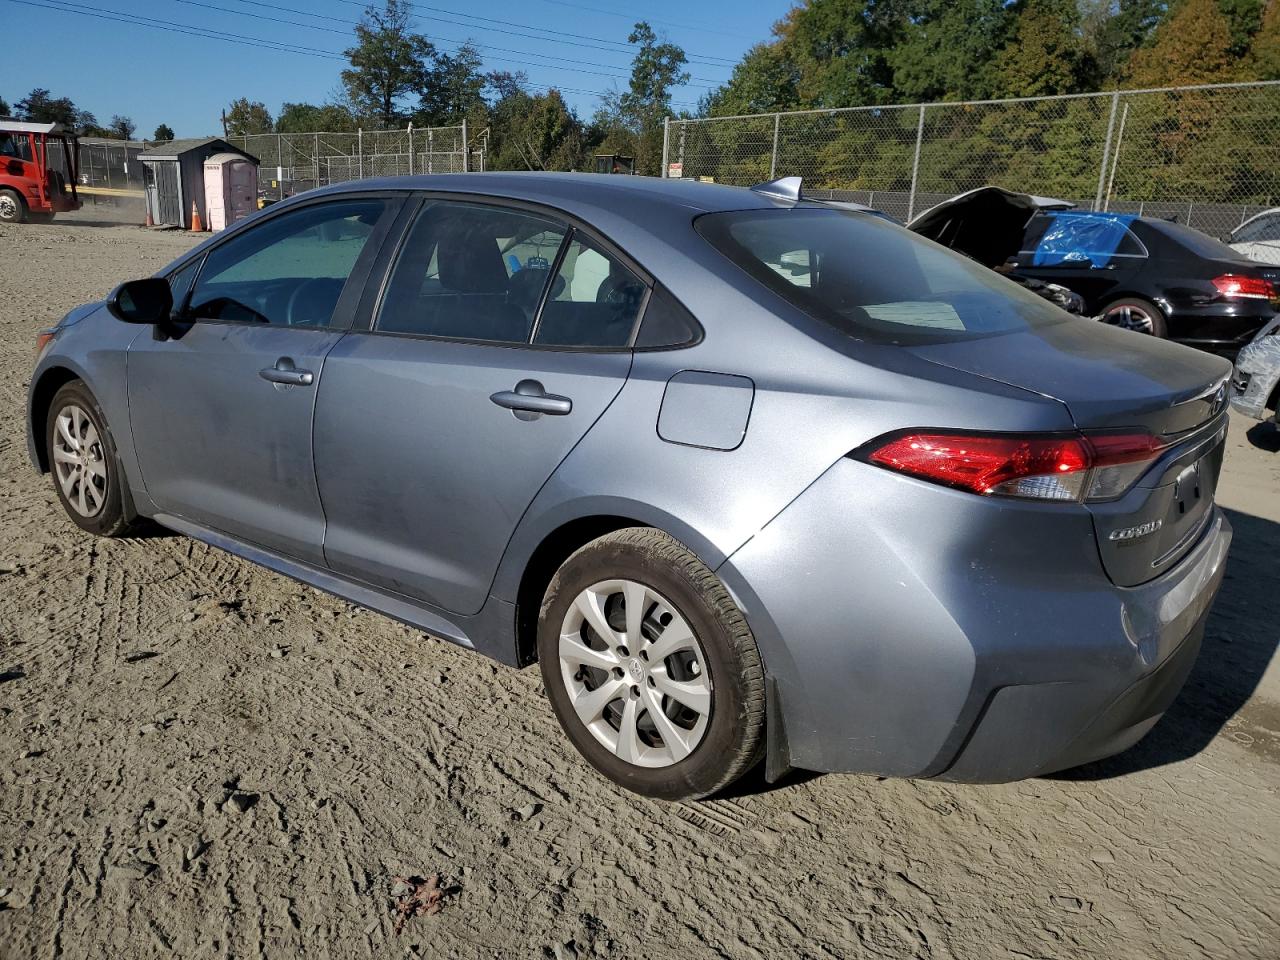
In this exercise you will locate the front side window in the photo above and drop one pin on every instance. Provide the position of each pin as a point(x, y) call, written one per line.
point(594, 300)
point(180, 281)
point(1093, 240)
point(472, 272)
point(289, 271)
point(872, 279)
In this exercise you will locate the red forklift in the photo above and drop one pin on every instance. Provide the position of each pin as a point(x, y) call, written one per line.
point(31, 188)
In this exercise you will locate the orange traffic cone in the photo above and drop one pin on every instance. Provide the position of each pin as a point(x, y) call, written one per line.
point(196, 225)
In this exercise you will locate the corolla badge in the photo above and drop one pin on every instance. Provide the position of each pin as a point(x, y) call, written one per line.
point(1135, 533)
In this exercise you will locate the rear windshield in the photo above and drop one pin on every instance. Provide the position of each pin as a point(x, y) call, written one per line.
point(1201, 244)
point(872, 279)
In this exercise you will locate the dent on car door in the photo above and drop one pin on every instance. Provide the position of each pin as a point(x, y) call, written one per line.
point(221, 410)
point(501, 338)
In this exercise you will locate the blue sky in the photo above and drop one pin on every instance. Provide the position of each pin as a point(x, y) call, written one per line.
point(155, 74)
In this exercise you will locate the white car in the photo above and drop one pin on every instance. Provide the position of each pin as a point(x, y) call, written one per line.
point(1258, 238)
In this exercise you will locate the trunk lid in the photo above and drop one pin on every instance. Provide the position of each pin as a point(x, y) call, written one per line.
point(1111, 379)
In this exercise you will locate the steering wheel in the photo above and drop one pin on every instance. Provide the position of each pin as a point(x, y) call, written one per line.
point(296, 298)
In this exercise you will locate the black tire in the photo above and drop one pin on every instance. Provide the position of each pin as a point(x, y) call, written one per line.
point(12, 207)
point(111, 519)
point(1137, 305)
point(733, 739)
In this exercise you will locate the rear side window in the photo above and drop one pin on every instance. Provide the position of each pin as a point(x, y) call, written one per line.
point(872, 279)
point(471, 272)
point(1264, 229)
point(594, 299)
point(1079, 240)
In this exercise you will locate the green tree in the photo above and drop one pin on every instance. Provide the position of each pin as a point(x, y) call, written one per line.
point(453, 88)
point(163, 132)
point(244, 117)
point(536, 132)
point(946, 50)
point(1192, 46)
point(632, 119)
point(4, 107)
point(121, 128)
point(39, 106)
point(1046, 53)
point(388, 63)
point(763, 80)
point(310, 118)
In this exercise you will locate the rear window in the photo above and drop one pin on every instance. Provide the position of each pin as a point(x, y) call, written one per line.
point(1201, 244)
point(872, 279)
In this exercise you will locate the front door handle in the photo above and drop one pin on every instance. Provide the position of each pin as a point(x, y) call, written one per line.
point(529, 400)
point(285, 372)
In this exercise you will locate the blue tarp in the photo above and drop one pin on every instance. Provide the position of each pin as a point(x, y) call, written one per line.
point(1083, 238)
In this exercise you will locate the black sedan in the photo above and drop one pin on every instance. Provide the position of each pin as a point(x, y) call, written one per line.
point(1152, 275)
point(1143, 273)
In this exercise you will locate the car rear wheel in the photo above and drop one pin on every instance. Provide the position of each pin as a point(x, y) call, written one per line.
point(1134, 313)
point(650, 667)
point(82, 460)
point(12, 209)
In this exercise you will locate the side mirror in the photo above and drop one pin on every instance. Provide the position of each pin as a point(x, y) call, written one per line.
point(142, 301)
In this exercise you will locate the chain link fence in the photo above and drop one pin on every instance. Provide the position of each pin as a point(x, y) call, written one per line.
point(1207, 155)
point(293, 162)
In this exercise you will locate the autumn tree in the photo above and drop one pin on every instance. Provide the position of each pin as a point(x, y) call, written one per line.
point(1264, 53)
point(1192, 46)
point(389, 63)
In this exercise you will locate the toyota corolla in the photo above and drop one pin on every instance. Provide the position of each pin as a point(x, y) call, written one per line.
point(749, 476)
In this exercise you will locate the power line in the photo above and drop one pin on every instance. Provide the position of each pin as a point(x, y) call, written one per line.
point(116, 16)
point(503, 24)
point(631, 17)
point(708, 83)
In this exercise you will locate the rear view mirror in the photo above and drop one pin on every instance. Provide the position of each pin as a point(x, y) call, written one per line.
point(142, 301)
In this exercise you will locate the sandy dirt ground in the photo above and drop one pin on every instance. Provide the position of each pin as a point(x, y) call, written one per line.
point(200, 758)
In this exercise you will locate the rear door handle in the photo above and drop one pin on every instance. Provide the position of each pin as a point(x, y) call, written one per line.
point(285, 372)
point(530, 399)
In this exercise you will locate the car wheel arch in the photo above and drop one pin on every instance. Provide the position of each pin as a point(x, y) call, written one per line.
point(556, 545)
point(52, 380)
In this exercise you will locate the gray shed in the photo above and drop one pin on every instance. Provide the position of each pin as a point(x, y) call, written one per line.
point(173, 178)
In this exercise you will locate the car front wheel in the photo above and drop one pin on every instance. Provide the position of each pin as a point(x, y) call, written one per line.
point(651, 668)
point(82, 460)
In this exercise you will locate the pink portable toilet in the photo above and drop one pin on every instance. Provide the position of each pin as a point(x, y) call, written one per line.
point(230, 188)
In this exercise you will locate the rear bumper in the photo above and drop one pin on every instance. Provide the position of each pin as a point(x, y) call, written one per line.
point(902, 641)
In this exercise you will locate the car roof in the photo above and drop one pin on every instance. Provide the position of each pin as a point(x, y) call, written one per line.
point(572, 190)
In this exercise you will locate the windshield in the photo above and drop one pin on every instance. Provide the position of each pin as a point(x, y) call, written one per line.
point(872, 279)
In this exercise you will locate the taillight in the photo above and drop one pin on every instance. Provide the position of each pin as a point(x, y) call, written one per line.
point(1097, 466)
point(43, 339)
point(1232, 286)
